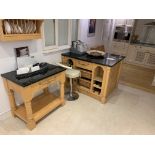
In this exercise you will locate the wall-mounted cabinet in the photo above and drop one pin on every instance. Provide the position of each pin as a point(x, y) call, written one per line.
point(20, 29)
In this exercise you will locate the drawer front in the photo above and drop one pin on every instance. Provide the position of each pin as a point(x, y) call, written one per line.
point(46, 82)
point(84, 64)
point(86, 74)
point(84, 83)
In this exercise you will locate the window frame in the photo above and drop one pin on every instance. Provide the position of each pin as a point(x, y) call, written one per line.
point(53, 48)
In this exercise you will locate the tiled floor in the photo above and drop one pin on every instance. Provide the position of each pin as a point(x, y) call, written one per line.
point(128, 111)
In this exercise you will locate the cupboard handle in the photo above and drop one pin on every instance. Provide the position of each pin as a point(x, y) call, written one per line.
point(83, 64)
point(147, 52)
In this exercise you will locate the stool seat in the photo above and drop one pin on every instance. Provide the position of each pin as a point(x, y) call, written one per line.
point(72, 73)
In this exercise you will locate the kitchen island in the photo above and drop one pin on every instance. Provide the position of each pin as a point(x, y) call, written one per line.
point(99, 75)
point(34, 108)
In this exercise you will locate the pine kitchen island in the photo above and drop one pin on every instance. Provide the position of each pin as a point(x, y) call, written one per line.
point(99, 76)
point(33, 108)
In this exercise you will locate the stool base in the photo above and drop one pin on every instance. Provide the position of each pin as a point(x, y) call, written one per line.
point(72, 97)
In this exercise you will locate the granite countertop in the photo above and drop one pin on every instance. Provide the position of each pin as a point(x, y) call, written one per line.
point(52, 70)
point(108, 60)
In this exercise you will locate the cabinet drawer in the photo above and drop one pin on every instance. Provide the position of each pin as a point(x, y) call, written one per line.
point(84, 64)
point(84, 83)
point(86, 74)
point(46, 82)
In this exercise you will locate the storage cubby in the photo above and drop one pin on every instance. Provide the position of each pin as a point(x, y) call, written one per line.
point(85, 82)
point(85, 73)
point(85, 79)
point(96, 91)
point(98, 80)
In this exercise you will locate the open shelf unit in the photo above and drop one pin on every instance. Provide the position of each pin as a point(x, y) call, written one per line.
point(98, 80)
point(40, 104)
point(20, 29)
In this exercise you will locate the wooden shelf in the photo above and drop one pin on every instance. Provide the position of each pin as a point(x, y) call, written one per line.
point(41, 105)
point(83, 88)
point(24, 35)
point(85, 73)
point(97, 86)
point(99, 79)
point(85, 82)
point(97, 91)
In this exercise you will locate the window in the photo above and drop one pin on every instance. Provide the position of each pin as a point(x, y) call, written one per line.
point(58, 34)
point(49, 34)
point(75, 25)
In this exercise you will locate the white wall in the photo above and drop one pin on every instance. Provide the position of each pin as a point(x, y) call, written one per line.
point(8, 63)
point(91, 41)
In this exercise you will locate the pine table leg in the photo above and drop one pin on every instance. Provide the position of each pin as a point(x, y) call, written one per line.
point(11, 98)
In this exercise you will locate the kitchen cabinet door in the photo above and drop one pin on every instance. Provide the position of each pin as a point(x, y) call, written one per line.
point(131, 53)
point(142, 56)
point(150, 60)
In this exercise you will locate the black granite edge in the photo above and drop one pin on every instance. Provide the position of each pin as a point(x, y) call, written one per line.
point(78, 57)
point(5, 75)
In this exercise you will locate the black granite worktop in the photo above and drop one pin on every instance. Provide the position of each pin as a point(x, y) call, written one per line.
point(52, 70)
point(108, 60)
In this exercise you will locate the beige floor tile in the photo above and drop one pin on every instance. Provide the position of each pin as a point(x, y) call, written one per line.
point(128, 111)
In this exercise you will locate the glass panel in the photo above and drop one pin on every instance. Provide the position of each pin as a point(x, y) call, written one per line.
point(74, 29)
point(63, 32)
point(49, 32)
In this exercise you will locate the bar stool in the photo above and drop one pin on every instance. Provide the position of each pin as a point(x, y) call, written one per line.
point(71, 74)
